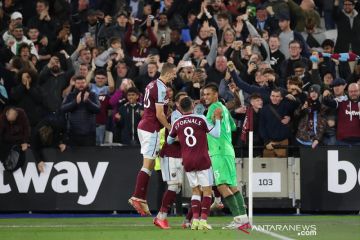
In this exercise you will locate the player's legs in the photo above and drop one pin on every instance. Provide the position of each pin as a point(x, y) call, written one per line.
point(217, 204)
point(206, 181)
point(150, 144)
point(172, 172)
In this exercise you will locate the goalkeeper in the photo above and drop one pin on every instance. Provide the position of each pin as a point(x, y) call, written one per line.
point(222, 157)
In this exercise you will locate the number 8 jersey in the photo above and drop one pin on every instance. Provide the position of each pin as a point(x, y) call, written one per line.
point(191, 130)
point(155, 93)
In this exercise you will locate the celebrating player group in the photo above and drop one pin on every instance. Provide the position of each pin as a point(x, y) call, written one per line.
point(199, 146)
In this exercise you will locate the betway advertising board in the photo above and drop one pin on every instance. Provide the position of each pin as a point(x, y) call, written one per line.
point(100, 178)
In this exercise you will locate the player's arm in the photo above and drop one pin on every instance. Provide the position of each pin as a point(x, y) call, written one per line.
point(215, 131)
point(160, 115)
point(172, 135)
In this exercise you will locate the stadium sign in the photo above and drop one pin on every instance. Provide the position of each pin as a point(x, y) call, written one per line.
point(66, 182)
point(80, 179)
point(330, 179)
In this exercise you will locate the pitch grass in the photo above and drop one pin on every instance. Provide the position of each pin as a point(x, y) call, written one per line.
point(327, 227)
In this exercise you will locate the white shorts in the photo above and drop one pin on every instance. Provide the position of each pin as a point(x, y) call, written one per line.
point(150, 143)
point(172, 170)
point(204, 178)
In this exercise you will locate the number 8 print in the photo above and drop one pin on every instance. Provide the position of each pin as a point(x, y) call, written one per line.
point(189, 133)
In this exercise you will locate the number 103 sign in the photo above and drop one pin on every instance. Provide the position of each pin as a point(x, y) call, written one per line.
point(266, 182)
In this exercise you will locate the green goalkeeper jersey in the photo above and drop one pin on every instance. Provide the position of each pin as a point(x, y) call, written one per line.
point(223, 144)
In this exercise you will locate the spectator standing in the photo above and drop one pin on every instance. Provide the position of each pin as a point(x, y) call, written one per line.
point(82, 106)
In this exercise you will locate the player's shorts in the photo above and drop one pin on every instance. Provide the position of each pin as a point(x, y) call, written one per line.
point(150, 143)
point(172, 170)
point(203, 178)
point(224, 170)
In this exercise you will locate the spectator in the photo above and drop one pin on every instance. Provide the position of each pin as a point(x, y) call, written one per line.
point(18, 34)
point(129, 116)
point(43, 20)
point(47, 133)
point(265, 19)
point(312, 122)
point(287, 67)
point(118, 29)
point(348, 127)
point(276, 56)
point(28, 96)
point(83, 105)
point(274, 124)
point(114, 52)
point(123, 70)
point(303, 13)
point(192, 88)
point(81, 55)
point(14, 136)
point(103, 93)
point(53, 80)
point(152, 73)
point(348, 27)
point(338, 87)
point(287, 35)
point(215, 74)
point(4, 98)
point(175, 49)
point(163, 30)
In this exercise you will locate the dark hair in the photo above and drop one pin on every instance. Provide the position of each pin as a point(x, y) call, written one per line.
point(255, 96)
point(32, 73)
point(277, 90)
point(22, 46)
point(212, 86)
point(100, 71)
point(274, 36)
point(133, 90)
point(45, 2)
point(79, 77)
point(328, 42)
point(295, 41)
point(223, 15)
point(180, 94)
point(186, 104)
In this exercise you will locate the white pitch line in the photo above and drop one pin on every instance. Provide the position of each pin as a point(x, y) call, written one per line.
point(275, 235)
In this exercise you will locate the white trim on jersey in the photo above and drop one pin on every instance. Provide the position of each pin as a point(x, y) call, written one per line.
point(161, 95)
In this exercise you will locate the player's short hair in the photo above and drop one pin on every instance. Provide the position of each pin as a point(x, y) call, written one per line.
point(186, 104)
point(213, 86)
point(179, 95)
point(167, 67)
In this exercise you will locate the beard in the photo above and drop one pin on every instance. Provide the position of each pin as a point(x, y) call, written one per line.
point(55, 69)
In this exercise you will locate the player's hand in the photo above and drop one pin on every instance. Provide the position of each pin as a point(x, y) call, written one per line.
point(218, 113)
point(117, 117)
point(41, 166)
point(62, 147)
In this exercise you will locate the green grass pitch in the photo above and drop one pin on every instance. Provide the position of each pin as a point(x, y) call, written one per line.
point(327, 227)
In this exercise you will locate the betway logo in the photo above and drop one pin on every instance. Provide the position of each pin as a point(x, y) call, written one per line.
point(334, 166)
point(352, 113)
point(65, 182)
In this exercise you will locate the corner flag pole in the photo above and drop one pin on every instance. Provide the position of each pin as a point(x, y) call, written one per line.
point(250, 189)
point(251, 145)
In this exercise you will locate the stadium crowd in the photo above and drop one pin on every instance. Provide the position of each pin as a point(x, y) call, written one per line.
point(71, 71)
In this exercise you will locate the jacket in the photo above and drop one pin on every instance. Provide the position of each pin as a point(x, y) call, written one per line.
point(82, 116)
